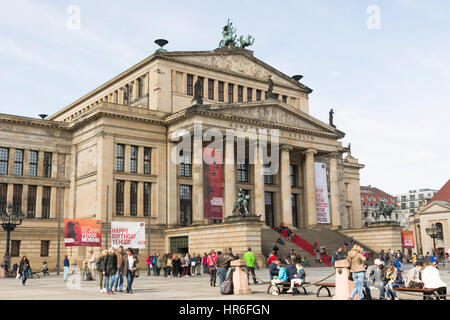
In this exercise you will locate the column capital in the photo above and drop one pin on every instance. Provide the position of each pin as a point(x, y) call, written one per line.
point(310, 151)
point(286, 147)
point(334, 154)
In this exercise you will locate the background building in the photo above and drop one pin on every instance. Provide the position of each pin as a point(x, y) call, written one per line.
point(409, 203)
point(371, 197)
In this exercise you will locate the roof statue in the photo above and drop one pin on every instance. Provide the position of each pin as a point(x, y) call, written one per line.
point(229, 37)
point(198, 92)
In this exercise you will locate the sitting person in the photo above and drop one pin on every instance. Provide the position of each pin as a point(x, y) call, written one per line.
point(282, 277)
point(413, 277)
point(297, 278)
point(374, 276)
point(432, 280)
point(393, 279)
point(273, 271)
point(289, 232)
point(45, 268)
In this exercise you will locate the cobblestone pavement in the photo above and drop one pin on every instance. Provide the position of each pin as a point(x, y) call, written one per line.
point(151, 287)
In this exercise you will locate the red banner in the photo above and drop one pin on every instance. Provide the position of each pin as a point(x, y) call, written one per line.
point(407, 239)
point(82, 233)
point(212, 184)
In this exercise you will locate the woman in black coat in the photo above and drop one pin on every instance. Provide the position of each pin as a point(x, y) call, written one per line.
point(23, 269)
point(110, 269)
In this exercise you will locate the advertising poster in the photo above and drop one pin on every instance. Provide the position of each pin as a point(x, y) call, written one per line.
point(212, 184)
point(323, 208)
point(407, 239)
point(82, 233)
point(128, 234)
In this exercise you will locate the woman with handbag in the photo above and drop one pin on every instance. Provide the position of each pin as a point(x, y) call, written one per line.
point(110, 269)
point(128, 268)
point(212, 259)
point(357, 270)
point(23, 269)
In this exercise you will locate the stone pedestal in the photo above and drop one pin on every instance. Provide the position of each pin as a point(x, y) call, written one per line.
point(240, 282)
point(2, 272)
point(343, 285)
point(241, 218)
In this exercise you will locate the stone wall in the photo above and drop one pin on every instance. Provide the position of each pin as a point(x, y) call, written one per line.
point(377, 238)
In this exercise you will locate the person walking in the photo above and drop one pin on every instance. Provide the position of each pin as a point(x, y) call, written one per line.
point(249, 258)
point(357, 262)
point(205, 263)
point(149, 264)
point(118, 279)
point(66, 265)
point(223, 263)
point(198, 261)
point(128, 268)
point(100, 265)
point(212, 267)
point(110, 269)
point(24, 265)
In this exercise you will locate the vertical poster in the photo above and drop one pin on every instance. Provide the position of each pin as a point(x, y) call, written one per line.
point(82, 233)
point(323, 208)
point(212, 183)
point(128, 234)
point(407, 239)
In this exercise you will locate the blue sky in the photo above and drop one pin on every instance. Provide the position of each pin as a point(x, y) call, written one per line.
point(388, 86)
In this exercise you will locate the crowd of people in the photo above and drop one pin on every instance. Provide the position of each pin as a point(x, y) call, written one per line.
point(386, 273)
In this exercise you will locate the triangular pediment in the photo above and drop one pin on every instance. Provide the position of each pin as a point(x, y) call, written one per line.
point(435, 206)
point(274, 112)
point(239, 63)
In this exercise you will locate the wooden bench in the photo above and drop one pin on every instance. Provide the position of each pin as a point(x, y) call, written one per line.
point(325, 285)
point(283, 287)
point(431, 292)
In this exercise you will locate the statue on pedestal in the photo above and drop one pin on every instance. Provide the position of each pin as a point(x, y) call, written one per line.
point(240, 207)
point(198, 92)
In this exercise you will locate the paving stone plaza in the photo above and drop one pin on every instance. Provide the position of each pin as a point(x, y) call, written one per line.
point(150, 287)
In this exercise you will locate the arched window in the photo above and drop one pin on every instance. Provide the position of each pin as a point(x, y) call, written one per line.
point(440, 233)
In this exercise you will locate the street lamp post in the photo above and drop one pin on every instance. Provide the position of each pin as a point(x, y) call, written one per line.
point(10, 220)
point(433, 233)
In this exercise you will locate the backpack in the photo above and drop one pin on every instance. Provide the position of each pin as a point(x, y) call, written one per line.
point(227, 286)
point(183, 261)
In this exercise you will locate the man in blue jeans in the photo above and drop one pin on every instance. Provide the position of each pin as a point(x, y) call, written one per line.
point(118, 281)
point(223, 263)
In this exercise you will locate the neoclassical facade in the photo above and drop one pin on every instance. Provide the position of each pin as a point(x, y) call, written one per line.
point(108, 156)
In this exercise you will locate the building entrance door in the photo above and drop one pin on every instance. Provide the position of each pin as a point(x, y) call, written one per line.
point(270, 219)
point(179, 244)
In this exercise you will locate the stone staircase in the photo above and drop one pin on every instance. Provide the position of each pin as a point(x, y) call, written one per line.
point(331, 239)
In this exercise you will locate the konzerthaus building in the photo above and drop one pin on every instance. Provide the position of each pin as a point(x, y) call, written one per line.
point(107, 156)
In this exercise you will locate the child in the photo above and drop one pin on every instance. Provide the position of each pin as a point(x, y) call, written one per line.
point(45, 268)
point(282, 277)
point(299, 277)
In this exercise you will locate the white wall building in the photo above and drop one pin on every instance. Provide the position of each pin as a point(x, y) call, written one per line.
point(408, 203)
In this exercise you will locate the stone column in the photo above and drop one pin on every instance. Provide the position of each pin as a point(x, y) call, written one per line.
point(334, 191)
point(258, 176)
point(54, 170)
point(286, 201)
point(53, 202)
point(230, 177)
point(126, 158)
point(12, 152)
point(140, 164)
point(126, 198)
point(26, 162)
point(140, 199)
point(172, 192)
point(197, 181)
point(310, 187)
point(25, 200)
point(9, 194)
point(40, 164)
point(39, 202)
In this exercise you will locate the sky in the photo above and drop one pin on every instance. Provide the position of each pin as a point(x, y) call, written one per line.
point(382, 65)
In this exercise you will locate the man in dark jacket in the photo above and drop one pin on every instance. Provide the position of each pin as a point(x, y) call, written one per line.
point(118, 281)
point(128, 268)
point(223, 263)
point(110, 269)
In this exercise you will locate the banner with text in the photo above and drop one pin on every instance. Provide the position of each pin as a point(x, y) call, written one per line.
point(323, 208)
point(128, 234)
point(82, 233)
point(212, 183)
point(407, 239)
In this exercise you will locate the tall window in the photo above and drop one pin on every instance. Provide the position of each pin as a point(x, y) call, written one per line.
point(242, 172)
point(18, 162)
point(293, 173)
point(210, 89)
point(31, 203)
point(119, 198)
point(294, 210)
point(185, 205)
point(147, 160)
point(133, 159)
point(240, 93)
point(268, 176)
point(284, 99)
point(46, 191)
point(440, 233)
point(47, 164)
point(258, 95)
point(190, 84)
point(201, 86)
point(120, 154)
point(17, 198)
point(15, 248)
point(221, 86)
point(185, 165)
point(139, 80)
point(249, 94)
point(133, 198)
point(3, 196)
point(147, 194)
point(45, 248)
point(268, 199)
point(126, 94)
point(4, 157)
point(32, 168)
point(230, 92)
